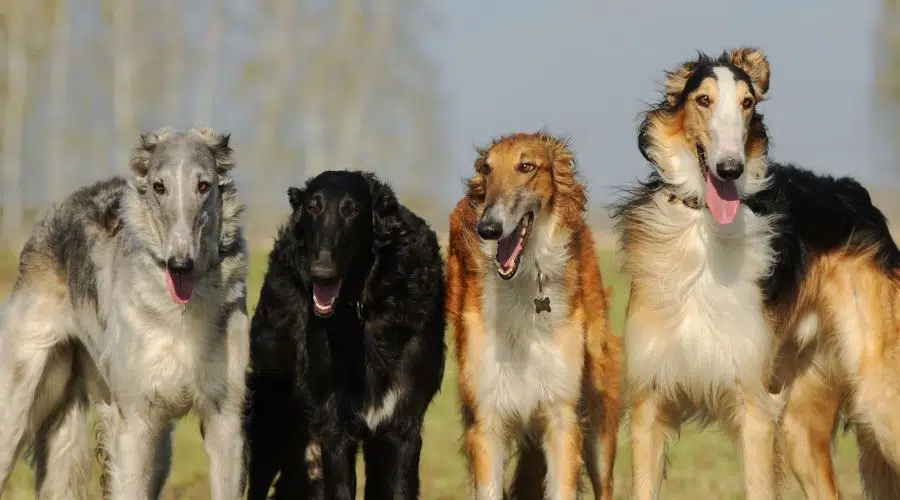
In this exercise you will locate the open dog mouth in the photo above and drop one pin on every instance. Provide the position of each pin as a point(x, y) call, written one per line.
point(181, 285)
point(721, 196)
point(510, 248)
point(325, 294)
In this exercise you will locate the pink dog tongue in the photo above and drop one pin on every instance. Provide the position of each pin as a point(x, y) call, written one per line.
point(508, 249)
point(722, 199)
point(326, 292)
point(181, 286)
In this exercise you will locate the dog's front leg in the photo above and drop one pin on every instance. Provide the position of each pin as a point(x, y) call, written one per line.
point(757, 427)
point(650, 429)
point(224, 442)
point(136, 432)
point(485, 451)
point(562, 443)
point(331, 465)
point(392, 465)
point(223, 412)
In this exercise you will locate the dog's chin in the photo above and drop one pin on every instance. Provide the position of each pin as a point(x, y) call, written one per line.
point(511, 247)
point(325, 295)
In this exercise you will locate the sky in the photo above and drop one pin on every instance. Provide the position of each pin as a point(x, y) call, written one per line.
point(587, 68)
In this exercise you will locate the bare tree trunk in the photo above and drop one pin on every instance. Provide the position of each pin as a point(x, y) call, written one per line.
point(123, 74)
point(279, 52)
point(367, 78)
point(13, 124)
point(314, 147)
point(56, 170)
point(173, 83)
point(207, 78)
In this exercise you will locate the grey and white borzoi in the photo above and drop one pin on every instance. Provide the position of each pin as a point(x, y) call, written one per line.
point(131, 297)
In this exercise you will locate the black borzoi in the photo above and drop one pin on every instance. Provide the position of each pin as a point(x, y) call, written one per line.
point(347, 344)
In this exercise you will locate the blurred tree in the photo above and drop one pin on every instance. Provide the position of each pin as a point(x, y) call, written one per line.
point(361, 91)
point(56, 173)
point(888, 46)
point(14, 120)
point(281, 51)
point(208, 76)
point(173, 85)
point(124, 65)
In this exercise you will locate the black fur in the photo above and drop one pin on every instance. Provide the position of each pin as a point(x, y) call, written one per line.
point(313, 378)
point(812, 214)
point(818, 214)
point(89, 214)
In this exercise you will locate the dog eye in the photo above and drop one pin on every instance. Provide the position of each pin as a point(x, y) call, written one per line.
point(350, 211)
point(312, 208)
point(748, 103)
point(703, 100)
point(526, 167)
point(159, 188)
point(485, 169)
point(203, 187)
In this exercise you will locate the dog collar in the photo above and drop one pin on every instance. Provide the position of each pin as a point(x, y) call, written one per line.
point(691, 202)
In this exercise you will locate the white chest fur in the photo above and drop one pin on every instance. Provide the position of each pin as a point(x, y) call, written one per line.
point(521, 364)
point(700, 327)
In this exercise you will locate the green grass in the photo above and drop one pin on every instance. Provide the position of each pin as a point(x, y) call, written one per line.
point(702, 464)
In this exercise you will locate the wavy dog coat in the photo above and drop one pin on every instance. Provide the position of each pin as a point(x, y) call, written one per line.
point(347, 344)
point(538, 364)
point(759, 291)
point(90, 321)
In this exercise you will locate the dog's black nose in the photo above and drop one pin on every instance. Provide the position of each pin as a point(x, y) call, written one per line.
point(323, 266)
point(490, 229)
point(180, 265)
point(730, 169)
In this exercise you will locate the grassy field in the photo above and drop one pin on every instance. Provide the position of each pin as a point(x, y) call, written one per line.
point(702, 464)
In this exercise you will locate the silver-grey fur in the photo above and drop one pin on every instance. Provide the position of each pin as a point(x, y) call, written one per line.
point(90, 323)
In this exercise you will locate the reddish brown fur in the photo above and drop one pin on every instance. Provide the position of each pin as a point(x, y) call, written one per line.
point(851, 368)
point(596, 349)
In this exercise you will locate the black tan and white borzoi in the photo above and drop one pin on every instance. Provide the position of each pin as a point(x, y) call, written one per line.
point(761, 293)
point(347, 344)
point(131, 297)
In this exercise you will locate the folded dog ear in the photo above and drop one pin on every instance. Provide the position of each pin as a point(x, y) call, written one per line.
point(140, 156)
point(218, 143)
point(755, 64)
point(295, 197)
point(475, 185)
point(676, 80)
point(385, 208)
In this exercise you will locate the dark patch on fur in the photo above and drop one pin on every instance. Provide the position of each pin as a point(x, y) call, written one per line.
point(704, 69)
point(819, 214)
point(72, 231)
point(313, 378)
point(814, 214)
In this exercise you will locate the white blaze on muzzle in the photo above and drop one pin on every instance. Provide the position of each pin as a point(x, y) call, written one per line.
point(727, 134)
point(726, 127)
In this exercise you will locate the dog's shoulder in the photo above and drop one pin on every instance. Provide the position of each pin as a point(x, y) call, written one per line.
point(279, 321)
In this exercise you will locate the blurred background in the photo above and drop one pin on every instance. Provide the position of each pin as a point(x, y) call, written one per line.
point(407, 88)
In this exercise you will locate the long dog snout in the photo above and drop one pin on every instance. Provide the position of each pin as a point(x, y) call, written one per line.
point(730, 169)
point(323, 266)
point(490, 228)
point(180, 265)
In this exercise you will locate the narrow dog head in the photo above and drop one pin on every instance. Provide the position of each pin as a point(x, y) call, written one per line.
point(706, 137)
point(179, 177)
point(523, 179)
point(334, 217)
